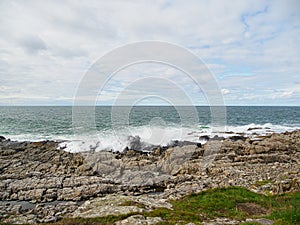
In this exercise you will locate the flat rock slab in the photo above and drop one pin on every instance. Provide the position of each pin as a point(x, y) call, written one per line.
point(119, 204)
point(263, 221)
point(139, 219)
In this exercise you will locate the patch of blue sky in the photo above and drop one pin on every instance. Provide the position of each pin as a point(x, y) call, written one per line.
point(237, 70)
point(198, 47)
point(246, 16)
point(166, 5)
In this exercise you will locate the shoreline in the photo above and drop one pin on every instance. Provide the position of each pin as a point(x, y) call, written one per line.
point(118, 139)
point(39, 173)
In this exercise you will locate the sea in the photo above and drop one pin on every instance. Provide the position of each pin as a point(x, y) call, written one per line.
point(149, 125)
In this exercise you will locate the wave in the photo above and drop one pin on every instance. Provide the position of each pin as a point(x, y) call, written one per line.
point(147, 137)
point(139, 138)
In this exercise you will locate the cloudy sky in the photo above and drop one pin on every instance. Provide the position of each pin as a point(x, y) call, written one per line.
point(251, 47)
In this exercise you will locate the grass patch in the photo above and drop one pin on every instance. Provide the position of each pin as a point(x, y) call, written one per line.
point(286, 208)
point(214, 203)
point(262, 182)
point(233, 202)
point(132, 203)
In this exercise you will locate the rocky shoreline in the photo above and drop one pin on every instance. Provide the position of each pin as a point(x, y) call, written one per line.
point(42, 183)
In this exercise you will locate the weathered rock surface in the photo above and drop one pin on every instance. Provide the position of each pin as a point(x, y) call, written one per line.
point(56, 183)
point(139, 219)
point(117, 204)
point(223, 221)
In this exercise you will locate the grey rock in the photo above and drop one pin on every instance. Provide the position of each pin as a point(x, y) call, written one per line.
point(263, 221)
point(40, 174)
point(139, 220)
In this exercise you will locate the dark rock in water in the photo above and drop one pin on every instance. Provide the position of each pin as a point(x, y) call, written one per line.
point(199, 145)
point(150, 148)
point(236, 138)
point(135, 143)
point(204, 138)
point(164, 148)
point(177, 143)
point(254, 128)
point(217, 138)
point(2, 138)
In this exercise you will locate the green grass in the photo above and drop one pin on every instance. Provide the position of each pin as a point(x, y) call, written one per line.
point(233, 202)
point(132, 203)
point(211, 204)
point(287, 209)
point(262, 182)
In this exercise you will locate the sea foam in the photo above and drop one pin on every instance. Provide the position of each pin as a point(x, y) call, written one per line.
point(163, 136)
point(147, 136)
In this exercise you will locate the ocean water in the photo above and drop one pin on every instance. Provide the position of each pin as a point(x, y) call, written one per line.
point(149, 124)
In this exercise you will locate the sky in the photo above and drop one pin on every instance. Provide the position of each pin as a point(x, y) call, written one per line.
point(251, 48)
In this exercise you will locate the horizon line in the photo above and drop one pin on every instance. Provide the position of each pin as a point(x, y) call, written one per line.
point(150, 105)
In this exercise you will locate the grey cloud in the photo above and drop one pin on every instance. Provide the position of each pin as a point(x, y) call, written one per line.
point(70, 52)
point(33, 44)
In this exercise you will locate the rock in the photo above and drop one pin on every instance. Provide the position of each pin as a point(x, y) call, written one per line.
point(254, 128)
point(177, 143)
point(260, 221)
point(109, 205)
point(236, 138)
point(22, 219)
point(135, 143)
point(139, 219)
point(204, 138)
point(2, 138)
point(50, 180)
point(50, 219)
point(217, 138)
point(221, 221)
point(158, 151)
point(117, 204)
point(228, 132)
point(252, 151)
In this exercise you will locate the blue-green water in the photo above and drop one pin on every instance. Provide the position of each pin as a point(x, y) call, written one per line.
point(55, 123)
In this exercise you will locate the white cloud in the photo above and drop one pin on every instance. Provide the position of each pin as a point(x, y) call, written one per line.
point(225, 91)
point(251, 46)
